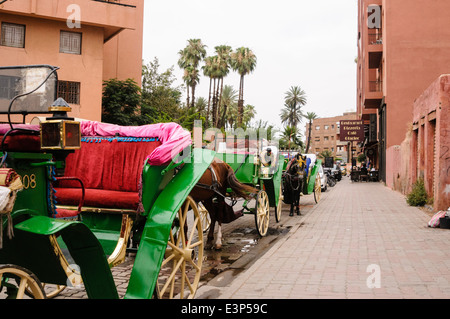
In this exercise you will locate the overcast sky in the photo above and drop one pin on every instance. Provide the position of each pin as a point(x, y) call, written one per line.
point(311, 44)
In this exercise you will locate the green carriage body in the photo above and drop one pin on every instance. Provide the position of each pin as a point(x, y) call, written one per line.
point(247, 168)
point(91, 241)
point(41, 241)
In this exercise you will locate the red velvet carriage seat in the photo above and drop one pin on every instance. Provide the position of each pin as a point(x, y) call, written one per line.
point(110, 170)
point(106, 171)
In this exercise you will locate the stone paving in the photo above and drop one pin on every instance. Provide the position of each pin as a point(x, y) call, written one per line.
point(361, 241)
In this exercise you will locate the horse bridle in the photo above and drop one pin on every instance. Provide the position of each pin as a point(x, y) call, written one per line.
point(293, 175)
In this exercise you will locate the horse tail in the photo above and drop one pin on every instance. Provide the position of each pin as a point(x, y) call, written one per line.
point(240, 189)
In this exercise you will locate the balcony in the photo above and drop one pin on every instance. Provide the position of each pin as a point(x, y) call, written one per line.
point(373, 95)
point(375, 37)
point(113, 15)
point(117, 2)
point(375, 86)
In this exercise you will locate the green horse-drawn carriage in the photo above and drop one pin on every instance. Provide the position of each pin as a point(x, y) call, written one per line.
point(64, 230)
point(251, 168)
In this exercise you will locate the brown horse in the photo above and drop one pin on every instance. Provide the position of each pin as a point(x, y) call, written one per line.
point(211, 190)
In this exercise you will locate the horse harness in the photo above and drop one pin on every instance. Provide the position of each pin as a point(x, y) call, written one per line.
point(214, 185)
point(291, 178)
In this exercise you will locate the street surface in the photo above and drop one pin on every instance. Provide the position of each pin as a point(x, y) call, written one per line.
point(360, 241)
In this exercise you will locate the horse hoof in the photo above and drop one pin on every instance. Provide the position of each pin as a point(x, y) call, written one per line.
point(218, 247)
point(291, 214)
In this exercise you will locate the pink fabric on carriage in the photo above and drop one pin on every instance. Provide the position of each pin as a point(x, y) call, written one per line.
point(172, 136)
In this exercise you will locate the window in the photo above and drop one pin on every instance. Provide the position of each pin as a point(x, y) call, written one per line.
point(326, 127)
point(317, 127)
point(325, 138)
point(70, 42)
point(13, 35)
point(69, 91)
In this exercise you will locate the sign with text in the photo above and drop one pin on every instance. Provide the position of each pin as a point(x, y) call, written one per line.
point(351, 131)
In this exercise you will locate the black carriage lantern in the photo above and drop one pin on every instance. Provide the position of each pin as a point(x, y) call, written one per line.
point(60, 132)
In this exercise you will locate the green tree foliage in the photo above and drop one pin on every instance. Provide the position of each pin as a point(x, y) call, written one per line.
point(326, 153)
point(291, 139)
point(160, 99)
point(120, 102)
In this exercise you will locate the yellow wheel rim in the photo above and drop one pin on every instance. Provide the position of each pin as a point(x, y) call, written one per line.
point(262, 213)
point(26, 281)
point(181, 268)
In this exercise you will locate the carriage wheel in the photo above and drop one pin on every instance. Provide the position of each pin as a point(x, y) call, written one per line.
point(204, 216)
point(24, 279)
point(317, 189)
point(181, 268)
point(279, 206)
point(51, 291)
point(262, 213)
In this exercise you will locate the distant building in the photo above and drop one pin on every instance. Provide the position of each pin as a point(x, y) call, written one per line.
point(325, 135)
point(107, 43)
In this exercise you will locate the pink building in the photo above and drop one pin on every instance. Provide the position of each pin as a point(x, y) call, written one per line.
point(107, 43)
point(402, 48)
point(429, 153)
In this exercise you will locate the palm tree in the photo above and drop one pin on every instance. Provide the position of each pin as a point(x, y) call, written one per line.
point(294, 99)
point(223, 54)
point(310, 116)
point(200, 106)
point(208, 70)
point(189, 60)
point(291, 138)
point(325, 153)
point(248, 114)
point(228, 102)
point(243, 61)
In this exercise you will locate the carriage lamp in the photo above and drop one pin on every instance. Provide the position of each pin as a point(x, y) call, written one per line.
point(60, 132)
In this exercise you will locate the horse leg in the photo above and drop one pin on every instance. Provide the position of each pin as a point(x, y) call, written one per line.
point(219, 237)
point(210, 237)
point(212, 214)
point(297, 202)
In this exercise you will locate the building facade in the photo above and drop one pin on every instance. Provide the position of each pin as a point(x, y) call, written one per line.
point(325, 135)
point(429, 143)
point(402, 48)
point(89, 40)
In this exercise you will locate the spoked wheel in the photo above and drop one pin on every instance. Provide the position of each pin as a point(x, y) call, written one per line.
point(181, 268)
point(279, 206)
point(51, 291)
point(19, 281)
point(262, 213)
point(317, 189)
point(204, 216)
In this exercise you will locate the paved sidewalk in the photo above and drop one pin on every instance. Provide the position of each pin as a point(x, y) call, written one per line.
point(361, 236)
